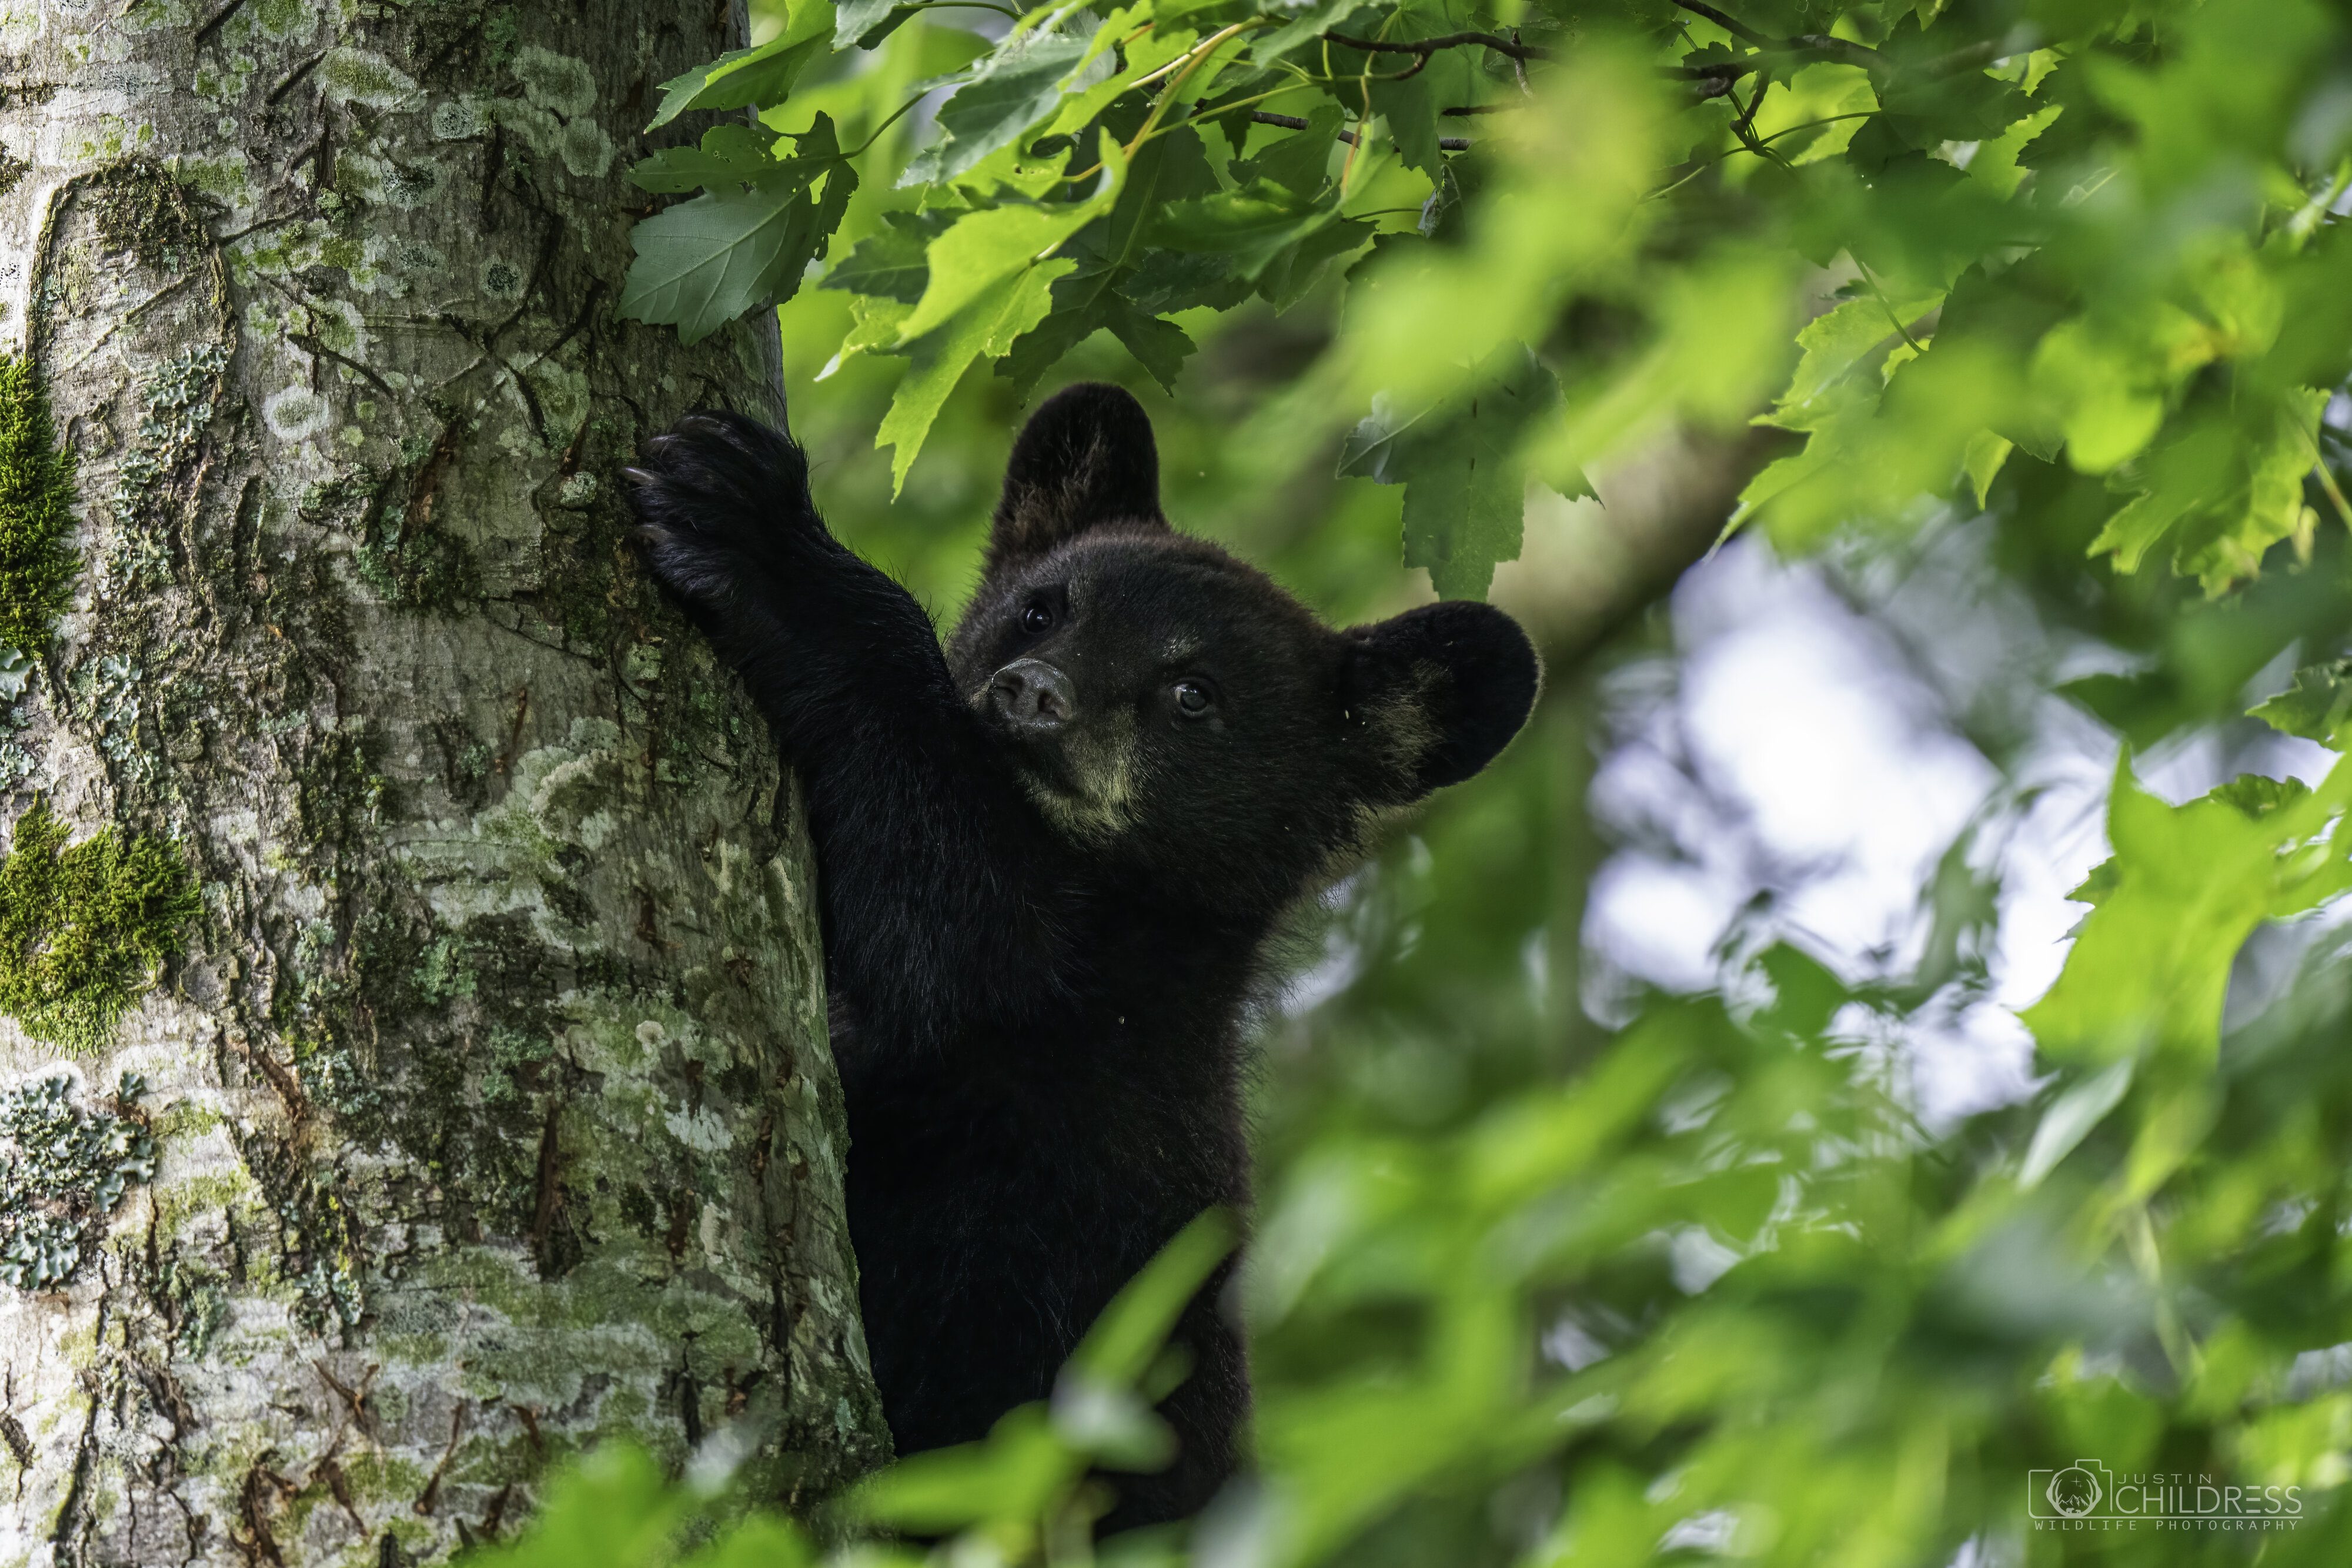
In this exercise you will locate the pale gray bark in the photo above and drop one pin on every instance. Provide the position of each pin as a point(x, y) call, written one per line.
point(491, 1103)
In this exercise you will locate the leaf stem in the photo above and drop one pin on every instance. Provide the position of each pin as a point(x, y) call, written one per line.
point(2327, 477)
point(885, 125)
point(1887, 306)
point(1202, 120)
point(1189, 61)
point(1198, 56)
point(1364, 87)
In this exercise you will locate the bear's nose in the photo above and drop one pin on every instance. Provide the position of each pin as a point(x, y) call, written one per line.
point(1029, 693)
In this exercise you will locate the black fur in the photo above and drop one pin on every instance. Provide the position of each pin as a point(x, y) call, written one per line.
point(1046, 884)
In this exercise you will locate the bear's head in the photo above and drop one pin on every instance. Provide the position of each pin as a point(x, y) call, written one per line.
point(1168, 707)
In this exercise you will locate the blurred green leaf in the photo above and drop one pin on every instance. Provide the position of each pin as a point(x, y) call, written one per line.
point(1014, 1475)
point(2189, 883)
point(760, 1542)
point(2070, 1120)
point(1125, 1339)
point(2314, 706)
point(615, 1508)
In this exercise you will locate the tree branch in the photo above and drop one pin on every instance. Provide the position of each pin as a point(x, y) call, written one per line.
point(1725, 70)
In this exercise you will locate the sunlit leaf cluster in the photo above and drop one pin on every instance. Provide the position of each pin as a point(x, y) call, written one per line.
point(2078, 231)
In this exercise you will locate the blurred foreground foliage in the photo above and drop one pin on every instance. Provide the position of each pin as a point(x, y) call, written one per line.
point(1525, 1288)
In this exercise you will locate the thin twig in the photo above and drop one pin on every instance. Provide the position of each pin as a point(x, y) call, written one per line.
point(1741, 30)
point(1293, 122)
point(1425, 46)
point(1845, 49)
point(961, 6)
point(1703, 165)
point(1217, 113)
point(1745, 129)
point(2335, 494)
point(1364, 96)
point(1838, 48)
point(1190, 58)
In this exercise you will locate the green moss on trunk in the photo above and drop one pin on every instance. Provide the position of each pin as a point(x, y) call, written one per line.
point(37, 497)
point(83, 926)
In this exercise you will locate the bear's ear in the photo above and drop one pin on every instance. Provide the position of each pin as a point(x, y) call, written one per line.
point(1086, 457)
point(1440, 690)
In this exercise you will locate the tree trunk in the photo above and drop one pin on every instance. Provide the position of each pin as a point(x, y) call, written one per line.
point(486, 1110)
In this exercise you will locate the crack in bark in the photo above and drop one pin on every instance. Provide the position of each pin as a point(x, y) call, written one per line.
point(219, 18)
point(430, 1495)
point(310, 344)
point(550, 1194)
point(255, 1509)
point(354, 1399)
point(290, 1092)
point(69, 1514)
point(291, 79)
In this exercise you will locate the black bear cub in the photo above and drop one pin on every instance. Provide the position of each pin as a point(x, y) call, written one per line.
point(1050, 858)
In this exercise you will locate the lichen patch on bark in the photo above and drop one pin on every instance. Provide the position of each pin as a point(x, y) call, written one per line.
point(63, 1171)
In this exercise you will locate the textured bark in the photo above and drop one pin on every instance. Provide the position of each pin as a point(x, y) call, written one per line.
point(491, 1105)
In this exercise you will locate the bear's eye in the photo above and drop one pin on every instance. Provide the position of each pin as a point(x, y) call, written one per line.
point(1192, 698)
point(1037, 620)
